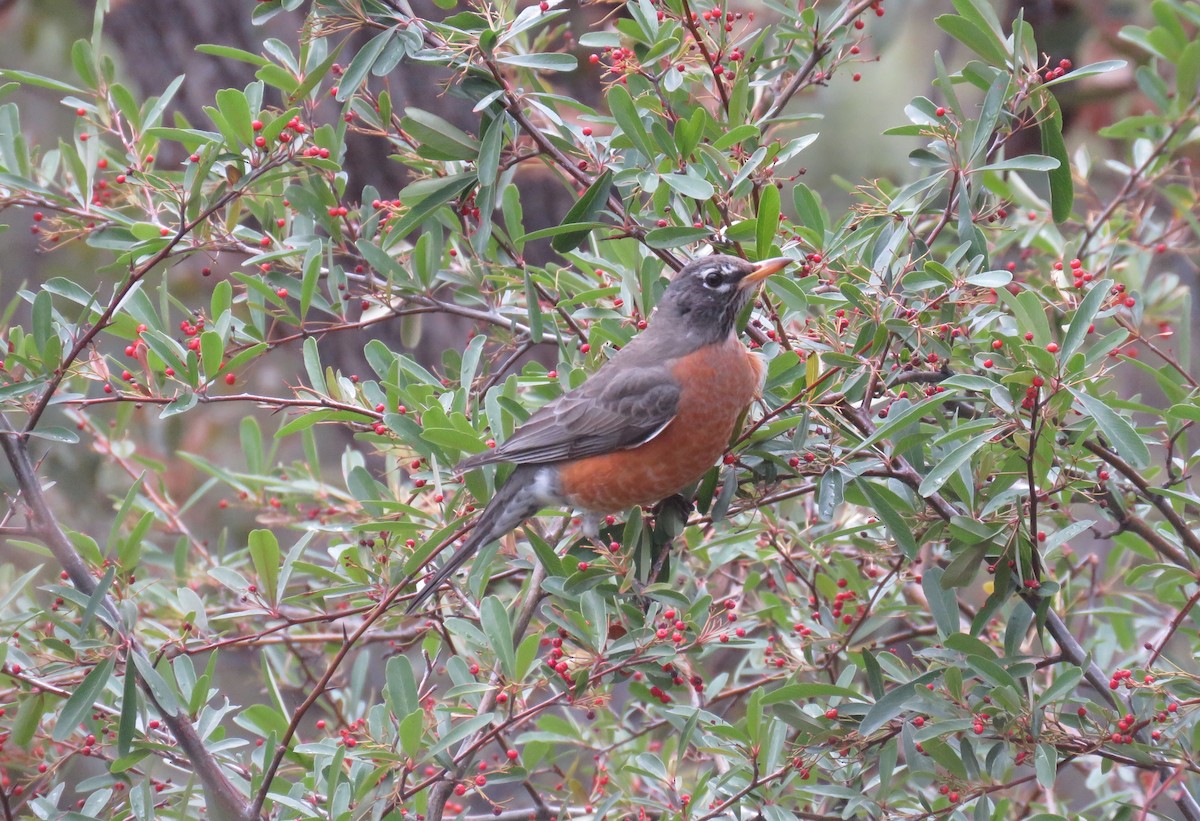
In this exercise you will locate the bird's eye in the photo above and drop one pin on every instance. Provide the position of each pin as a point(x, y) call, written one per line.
point(713, 278)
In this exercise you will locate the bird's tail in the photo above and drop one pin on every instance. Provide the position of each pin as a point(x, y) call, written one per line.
point(513, 503)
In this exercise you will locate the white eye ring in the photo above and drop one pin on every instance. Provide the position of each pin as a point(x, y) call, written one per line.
point(713, 279)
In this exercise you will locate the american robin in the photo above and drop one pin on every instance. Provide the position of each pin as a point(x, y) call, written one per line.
point(650, 422)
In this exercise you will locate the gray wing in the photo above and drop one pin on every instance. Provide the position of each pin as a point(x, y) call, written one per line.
point(601, 415)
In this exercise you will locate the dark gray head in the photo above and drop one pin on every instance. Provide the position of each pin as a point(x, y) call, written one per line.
point(706, 296)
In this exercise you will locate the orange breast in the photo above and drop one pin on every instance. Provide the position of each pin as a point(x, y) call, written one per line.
point(718, 384)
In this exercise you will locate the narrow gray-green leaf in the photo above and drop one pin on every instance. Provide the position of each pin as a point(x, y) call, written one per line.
point(1085, 314)
point(942, 602)
point(1026, 162)
point(541, 62)
point(831, 493)
point(493, 618)
point(892, 704)
point(83, 700)
point(951, 462)
point(1116, 428)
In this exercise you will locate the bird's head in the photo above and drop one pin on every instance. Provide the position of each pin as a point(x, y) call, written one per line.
point(707, 294)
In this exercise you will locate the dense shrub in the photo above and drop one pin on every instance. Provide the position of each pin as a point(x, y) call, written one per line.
point(948, 568)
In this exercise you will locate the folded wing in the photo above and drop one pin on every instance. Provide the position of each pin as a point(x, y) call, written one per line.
point(614, 410)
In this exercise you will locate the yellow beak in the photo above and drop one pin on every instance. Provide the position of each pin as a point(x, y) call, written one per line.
point(763, 270)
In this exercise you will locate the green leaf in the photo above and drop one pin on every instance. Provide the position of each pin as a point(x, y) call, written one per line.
point(690, 186)
point(462, 730)
point(903, 418)
point(230, 53)
point(83, 60)
point(1026, 162)
point(96, 600)
point(43, 318)
point(15, 588)
point(625, 112)
point(585, 210)
point(768, 221)
point(989, 118)
point(942, 602)
point(1085, 315)
point(558, 230)
point(314, 75)
point(401, 688)
point(31, 79)
point(1029, 312)
point(675, 236)
point(164, 696)
point(951, 462)
point(961, 571)
point(1187, 71)
point(892, 704)
point(1092, 69)
point(984, 43)
point(212, 350)
point(1065, 681)
point(488, 165)
point(424, 199)
point(437, 138)
point(541, 62)
point(896, 523)
point(264, 553)
point(55, 434)
point(1116, 428)
point(831, 493)
point(29, 716)
point(809, 689)
point(235, 108)
point(83, 700)
point(1062, 188)
point(808, 208)
point(981, 14)
point(735, 135)
point(361, 65)
point(989, 279)
point(154, 115)
point(129, 714)
point(278, 77)
point(1045, 763)
point(411, 729)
